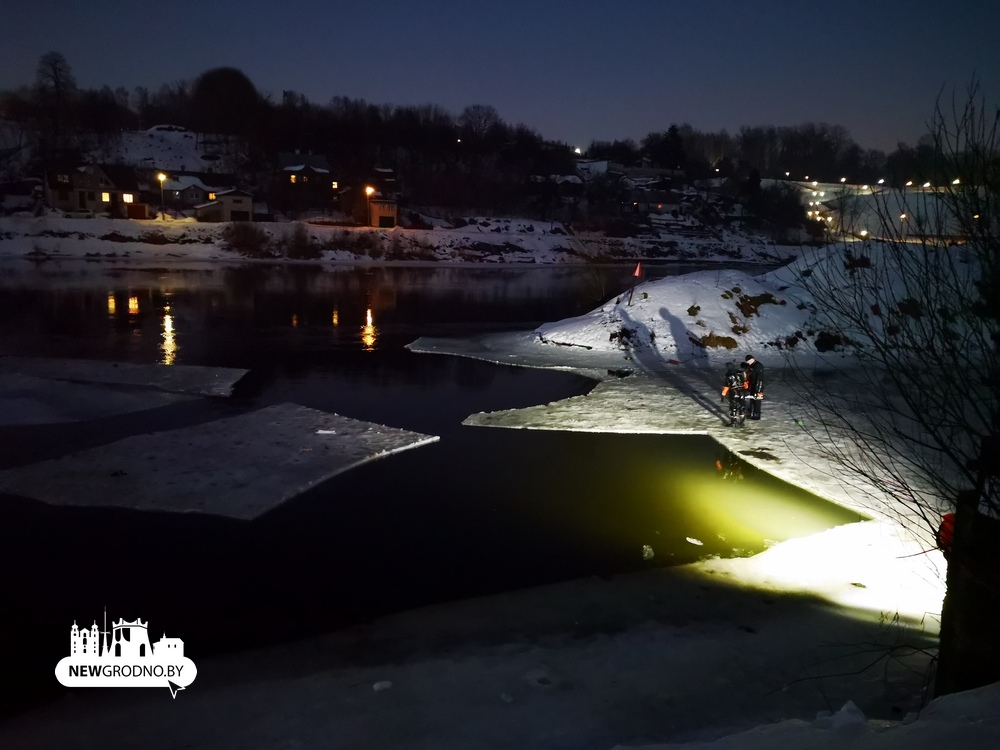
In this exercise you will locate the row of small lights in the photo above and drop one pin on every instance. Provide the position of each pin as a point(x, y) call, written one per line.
point(909, 183)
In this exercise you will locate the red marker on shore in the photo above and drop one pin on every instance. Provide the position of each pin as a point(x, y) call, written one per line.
point(637, 274)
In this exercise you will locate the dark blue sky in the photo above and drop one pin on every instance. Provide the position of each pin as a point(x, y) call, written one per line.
point(574, 70)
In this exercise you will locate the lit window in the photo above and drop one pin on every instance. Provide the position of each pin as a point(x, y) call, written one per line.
point(106, 197)
point(211, 196)
point(305, 178)
point(291, 178)
point(127, 198)
point(333, 185)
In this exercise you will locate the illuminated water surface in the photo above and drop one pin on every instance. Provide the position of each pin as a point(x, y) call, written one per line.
point(483, 510)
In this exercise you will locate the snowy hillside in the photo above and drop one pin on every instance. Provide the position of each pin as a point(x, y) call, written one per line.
point(170, 147)
point(710, 317)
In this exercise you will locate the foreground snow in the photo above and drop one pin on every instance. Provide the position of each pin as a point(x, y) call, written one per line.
point(687, 654)
point(965, 721)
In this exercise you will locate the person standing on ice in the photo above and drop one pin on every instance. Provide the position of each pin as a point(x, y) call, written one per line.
point(734, 389)
point(755, 391)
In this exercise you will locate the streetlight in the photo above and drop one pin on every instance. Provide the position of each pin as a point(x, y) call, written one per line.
point(162, 178)
point(369, 192)
point(902, 226)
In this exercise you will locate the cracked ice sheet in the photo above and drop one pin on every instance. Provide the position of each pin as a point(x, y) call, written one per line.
point(664, 399)
point(687, 402)
point(240, 467)
point(186, 379)
point(29, 400)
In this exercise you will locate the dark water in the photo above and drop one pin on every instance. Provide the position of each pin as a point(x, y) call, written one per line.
point(483, 510)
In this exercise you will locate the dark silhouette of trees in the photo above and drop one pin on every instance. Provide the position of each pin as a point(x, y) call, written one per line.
point(621, 152)
point(665, 150)
point(440, 158)
point(54, 90)
point(101, 113)
point(778, 203)
point(922, 317)
point(477, 121)
point(224, 101)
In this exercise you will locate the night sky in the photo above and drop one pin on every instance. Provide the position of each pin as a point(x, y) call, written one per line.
point(574, 70)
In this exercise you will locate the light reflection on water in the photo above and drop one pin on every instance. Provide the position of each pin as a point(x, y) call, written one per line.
point(483, 510)
point(169, 340)
point(369, 334)
point(279, 324)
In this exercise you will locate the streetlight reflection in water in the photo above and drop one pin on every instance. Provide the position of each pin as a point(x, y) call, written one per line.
point(369, 333)
point(169, 345)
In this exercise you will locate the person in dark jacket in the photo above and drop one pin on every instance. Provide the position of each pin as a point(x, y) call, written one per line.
point(734, 389)
point(755, 392)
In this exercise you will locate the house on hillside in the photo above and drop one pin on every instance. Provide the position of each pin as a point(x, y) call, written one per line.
point(97, 188)
point(303, 182)
point(374, 201)
point(644, 171)
point(228, 205)
point(189, 190)
point(588, 169)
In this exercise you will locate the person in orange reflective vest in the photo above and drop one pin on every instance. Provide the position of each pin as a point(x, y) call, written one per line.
point(945, 533)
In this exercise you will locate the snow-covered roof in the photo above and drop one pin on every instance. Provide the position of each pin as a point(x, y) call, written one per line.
point(301, 167)
point(299, 161)
point(167, 129)
point(592, 167)
point(183, 182)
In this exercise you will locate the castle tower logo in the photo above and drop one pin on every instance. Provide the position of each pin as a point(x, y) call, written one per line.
point(125, 659)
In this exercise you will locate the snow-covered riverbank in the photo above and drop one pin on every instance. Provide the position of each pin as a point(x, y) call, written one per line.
point(478, 240)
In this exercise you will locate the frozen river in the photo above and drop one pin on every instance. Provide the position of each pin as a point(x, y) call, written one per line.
point(482, 510)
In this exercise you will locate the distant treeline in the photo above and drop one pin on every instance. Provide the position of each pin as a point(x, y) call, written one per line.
point(446, 158)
